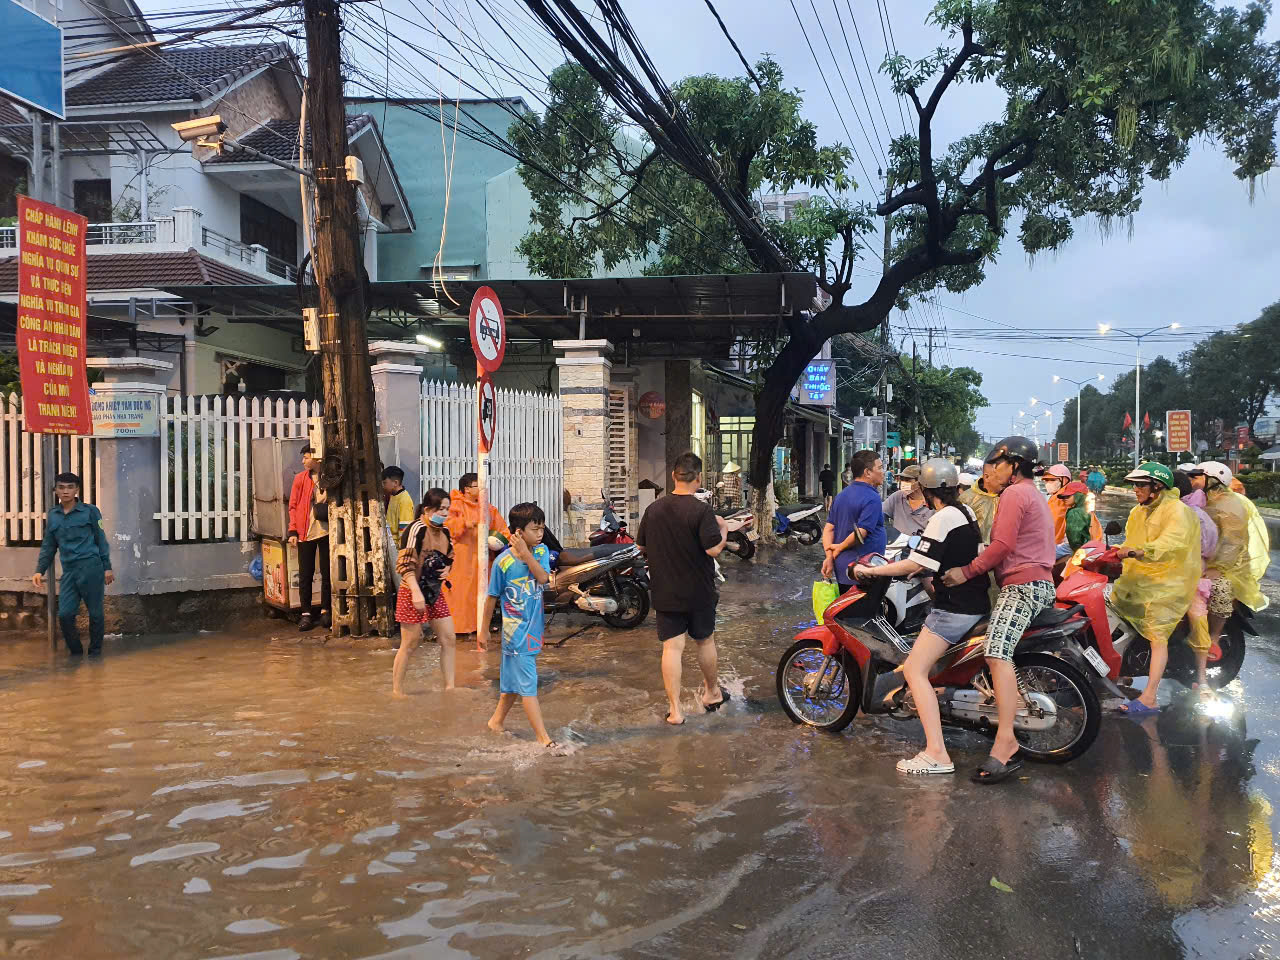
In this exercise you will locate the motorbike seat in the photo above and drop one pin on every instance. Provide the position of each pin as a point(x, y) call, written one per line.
point(1053, 616)
point(727, 512)
point(572, 556)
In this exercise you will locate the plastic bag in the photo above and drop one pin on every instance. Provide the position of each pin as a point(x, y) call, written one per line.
point(1154, 593)
point(824, 594)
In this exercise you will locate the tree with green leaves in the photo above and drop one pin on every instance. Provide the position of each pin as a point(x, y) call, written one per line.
point(1099, 97)
point(1231, 374)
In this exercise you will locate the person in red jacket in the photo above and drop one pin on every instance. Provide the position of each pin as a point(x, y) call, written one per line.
point(309, 530)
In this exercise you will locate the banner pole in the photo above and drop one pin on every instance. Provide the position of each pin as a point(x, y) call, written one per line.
point(47, 443)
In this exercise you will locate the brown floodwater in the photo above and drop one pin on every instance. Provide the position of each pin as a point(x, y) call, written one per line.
point(211, 795)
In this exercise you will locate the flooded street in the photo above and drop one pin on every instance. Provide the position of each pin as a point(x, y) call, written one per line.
point(217, 796)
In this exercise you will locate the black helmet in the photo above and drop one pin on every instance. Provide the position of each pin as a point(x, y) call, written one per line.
point(1015, 448)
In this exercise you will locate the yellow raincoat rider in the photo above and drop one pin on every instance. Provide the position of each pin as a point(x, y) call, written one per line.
point(1233, 560)
point(1162, 544)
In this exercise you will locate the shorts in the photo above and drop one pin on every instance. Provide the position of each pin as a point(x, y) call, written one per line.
point(405, 612)
point(951, 627)
point(1015, 608)
point(698, 624)
point(519, 674)
point(1222, 601)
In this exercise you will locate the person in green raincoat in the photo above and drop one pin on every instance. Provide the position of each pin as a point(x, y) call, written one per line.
point(1162, 567)
point(1231, 570)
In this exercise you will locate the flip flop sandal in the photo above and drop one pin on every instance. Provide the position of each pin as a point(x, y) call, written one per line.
point(724, 698)
point(993, 771)
point(1136, 708)
point(922, 763)
point(667, 721)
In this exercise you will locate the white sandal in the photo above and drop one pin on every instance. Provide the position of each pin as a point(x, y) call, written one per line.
point(922, 763)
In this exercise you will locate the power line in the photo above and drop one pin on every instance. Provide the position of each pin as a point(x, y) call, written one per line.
point(840, 73)
point(857, 75)
point(733, 43)
point(890, 50)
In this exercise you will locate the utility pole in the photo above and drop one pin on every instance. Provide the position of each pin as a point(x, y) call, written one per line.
point(351, 467)
point(931, 347)
point(883, 391)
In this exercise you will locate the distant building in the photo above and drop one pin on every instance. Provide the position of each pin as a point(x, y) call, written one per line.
point(782, 206)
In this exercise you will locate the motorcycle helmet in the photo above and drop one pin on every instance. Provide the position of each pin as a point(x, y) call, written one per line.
point(1015, 448)
point(939, 474)
point(1217, 470)
point(1190, 469)
point(1152, 473)
point(1060, 471)
point(967, 479)
point(910, 473)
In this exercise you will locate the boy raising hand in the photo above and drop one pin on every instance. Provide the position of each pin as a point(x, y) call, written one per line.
point(516, 579)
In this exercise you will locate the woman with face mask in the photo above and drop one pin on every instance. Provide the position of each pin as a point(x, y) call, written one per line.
point(1055, 478)
point(424, 561)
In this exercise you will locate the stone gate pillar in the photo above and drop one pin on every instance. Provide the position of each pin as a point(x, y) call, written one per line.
point(397, 402)
point(584, 414)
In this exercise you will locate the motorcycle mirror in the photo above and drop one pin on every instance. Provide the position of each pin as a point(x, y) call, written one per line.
point(913, 542)
point(1113, 528)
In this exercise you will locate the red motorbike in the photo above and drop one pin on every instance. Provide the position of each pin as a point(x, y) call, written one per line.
point(852, 660)
point(611, 529)
point(1114, 644)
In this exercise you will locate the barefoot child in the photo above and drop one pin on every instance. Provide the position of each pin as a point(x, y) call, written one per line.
point(517, 578)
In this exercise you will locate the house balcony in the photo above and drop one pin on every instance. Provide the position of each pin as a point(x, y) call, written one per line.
point(181, 232)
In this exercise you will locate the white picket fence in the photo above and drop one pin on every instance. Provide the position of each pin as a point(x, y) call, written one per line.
point(26, 480)
point(205, 463)
point(525, 464)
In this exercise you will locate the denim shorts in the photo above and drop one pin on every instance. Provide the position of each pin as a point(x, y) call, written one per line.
point(951, 627)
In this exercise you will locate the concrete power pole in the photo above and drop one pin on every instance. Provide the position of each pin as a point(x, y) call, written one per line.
point(352, 471)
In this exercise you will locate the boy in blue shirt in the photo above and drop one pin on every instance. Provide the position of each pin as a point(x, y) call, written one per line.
point(517, 577)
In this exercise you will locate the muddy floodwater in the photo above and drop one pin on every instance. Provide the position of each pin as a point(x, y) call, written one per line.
point(263, 796)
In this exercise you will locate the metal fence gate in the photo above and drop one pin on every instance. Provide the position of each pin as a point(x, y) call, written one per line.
point(526, 462)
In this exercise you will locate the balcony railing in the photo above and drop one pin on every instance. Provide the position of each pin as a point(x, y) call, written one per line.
point(162, 232)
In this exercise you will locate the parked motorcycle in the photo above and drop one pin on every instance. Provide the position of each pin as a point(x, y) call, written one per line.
point(742, 536)
point(612, 529)
point(852, 661)
point(1116, 648)
point(601, 580)
point(800, 520)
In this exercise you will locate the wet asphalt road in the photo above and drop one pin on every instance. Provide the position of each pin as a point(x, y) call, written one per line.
point(264, 797)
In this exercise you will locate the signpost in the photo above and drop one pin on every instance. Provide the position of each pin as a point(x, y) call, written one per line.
point(1177, 431)
point(31, 70)
point(1064, 451)
point(818, 385)
point(488, 327)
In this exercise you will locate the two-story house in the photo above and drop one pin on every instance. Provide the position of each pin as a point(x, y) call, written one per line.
point(163, 214)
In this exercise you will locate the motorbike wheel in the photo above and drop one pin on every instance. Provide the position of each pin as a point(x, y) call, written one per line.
point(633, 605)
point(1182, 666)
point(740, 546)
point(832, 713)
point(807, 531)
point(1077, 702)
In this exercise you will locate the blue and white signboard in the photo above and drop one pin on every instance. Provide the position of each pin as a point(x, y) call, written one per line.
point(818, 384)
point(31, 59)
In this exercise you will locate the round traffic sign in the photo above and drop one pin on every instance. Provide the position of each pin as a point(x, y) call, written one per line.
point(487, 415)
point(488, 330)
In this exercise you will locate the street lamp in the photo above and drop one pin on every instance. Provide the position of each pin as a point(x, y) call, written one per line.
point(1104, 329)
point(1048, 413)
point(1079, 385)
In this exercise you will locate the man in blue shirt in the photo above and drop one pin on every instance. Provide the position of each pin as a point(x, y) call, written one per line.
point(74, 528)
point(855, 525)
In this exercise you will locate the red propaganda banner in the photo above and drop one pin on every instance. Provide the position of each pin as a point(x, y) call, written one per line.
point(1242, 436)
point(1177, 431)
point(51, 318)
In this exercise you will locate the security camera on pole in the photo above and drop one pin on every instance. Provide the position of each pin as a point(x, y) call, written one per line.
point(489, 343)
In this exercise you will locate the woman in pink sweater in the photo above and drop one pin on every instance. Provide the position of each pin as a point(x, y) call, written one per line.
point(1021, 555)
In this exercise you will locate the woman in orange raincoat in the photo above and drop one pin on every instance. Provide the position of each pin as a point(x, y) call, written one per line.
point(462, 524)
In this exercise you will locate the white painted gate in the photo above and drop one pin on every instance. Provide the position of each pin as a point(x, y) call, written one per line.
point(526, 463)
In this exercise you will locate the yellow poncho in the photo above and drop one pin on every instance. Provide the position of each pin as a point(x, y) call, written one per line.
point(983, 505)
point(1154, 593)
point(1230, 512)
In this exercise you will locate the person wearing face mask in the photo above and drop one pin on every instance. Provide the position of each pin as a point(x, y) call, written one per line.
point(906, 508)
point(1162, 569)
point(1055, 478)
point(423, 563)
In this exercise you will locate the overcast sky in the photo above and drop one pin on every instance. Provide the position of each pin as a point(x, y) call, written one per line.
point(1200, 253)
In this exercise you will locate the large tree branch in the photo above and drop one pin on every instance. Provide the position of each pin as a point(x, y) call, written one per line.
point(636, 174)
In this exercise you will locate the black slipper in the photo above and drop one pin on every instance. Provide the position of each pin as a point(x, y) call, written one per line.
point(724, 698)
point(667, 721)
point(993, 771)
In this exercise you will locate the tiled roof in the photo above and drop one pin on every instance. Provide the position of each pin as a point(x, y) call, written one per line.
point(141, 271)
point(279, 138)
point(178, 73)
point(9, 113)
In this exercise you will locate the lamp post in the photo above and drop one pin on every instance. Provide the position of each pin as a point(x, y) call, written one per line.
point(1050, 404)
point(1022, 424)
point(1104, 329)
point(1079, 385)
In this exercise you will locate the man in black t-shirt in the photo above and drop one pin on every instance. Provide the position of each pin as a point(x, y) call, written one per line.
point(827, 480)
point(681, 537)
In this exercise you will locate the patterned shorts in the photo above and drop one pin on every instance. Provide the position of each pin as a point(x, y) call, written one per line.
point(405, 613)
point(1015, 608)
point(1222, 601)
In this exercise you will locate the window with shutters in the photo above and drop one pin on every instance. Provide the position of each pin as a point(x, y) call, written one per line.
point(621, 441)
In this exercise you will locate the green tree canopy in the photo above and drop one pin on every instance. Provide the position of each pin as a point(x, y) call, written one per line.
point(1099, 97)
point(1231, 374)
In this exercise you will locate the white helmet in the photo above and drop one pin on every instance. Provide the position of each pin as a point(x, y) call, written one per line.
point(1218, 470)
point(939, 474)
point(1188, 468)
point(967, 479)
point(703, 494)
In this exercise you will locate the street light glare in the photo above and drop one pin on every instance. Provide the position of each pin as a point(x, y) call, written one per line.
point(1174, 326)
point(1034, 401)
point(1102, 376)
point(1056, 378)
point(1104, 327)
point(429, 341)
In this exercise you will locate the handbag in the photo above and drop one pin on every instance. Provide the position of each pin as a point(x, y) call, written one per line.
point(825, 593)
point(320, 509)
